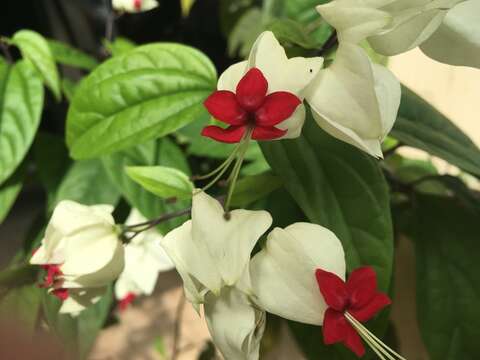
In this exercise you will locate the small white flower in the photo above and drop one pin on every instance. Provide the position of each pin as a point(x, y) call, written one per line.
point(282, 74)
point(134, 6)
point(81, 253)
point(144, 260)
point(212, 255)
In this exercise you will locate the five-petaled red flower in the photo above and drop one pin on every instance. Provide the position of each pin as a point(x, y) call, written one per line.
point(249, 107)
point(358, 296)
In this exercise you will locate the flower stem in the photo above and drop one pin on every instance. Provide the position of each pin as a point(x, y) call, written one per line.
point(232, 180)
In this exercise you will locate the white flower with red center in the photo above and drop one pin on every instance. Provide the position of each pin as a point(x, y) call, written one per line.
point(261, 98)
point(299, 275)
point(81, 254)
point(134, 6)
point(212, 255)
point(144, 260)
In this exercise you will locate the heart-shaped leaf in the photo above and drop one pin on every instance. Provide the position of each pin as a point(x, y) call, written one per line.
point(143, 94)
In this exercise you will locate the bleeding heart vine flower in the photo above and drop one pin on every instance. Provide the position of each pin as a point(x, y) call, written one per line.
point(261, 99)
point(285, 278)
point(134, 6)
point(263, 94)
point(81, 254)
point(445, 30)
point(250, 111)
point(354, 99)
point(211, 255)
point(144, 260)
point(349, 304)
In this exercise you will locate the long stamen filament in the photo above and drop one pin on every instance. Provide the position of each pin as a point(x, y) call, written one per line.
point(372, 340)
point(222, 166)
point(232, 180)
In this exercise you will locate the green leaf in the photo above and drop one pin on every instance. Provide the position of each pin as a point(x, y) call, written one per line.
point(45, 148)
point(245, 32)
point(342, 189)
point(148, 154)
point(21, 305)
point(172, 156)
point(290, 31)
point(119, 46)
point(67, 55)
point(144, 94)
point(162, 181)
point(421, 126)
point(448, 290)
point(21, 102)
point(9, 191)
point(253, 188)
point(87, 183)
point(304, 12)
point(35, 48)
point(78, 333)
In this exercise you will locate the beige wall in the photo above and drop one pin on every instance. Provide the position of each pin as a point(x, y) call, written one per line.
point(455, 91)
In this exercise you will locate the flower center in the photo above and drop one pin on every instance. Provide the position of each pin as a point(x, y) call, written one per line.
point(54, 280)
point(137, 4)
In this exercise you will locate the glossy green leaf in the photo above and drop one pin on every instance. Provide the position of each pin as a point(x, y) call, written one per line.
point(419, 125)
point(119, 46)
point(21, 102)
point(162, 181)
point(304, 12)
point(144, 94)
point(67, 55)
point(245, 32)
point(148, 154)
point(448, 290)
point(78, 333)
point(253, 188)
point(35, 48)
point(292, 32)
point(88, 183)
point(9, 191)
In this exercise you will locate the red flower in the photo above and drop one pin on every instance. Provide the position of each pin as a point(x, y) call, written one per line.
point(358, 297)
point(126, 301)
point(249, 107)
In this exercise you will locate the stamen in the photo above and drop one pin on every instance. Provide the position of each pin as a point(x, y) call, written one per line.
point(373, 341)
point(232, 180)
point(226, 163)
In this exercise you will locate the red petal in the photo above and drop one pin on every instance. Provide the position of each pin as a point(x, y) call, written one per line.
point(124, 303)
point(252, 89)
point(232, 134)
point(223, 106)
point(365, 313)
point(334, 327)
point(362, 286)
point(278, 106)
point(61, 293)
point(267, 133)
point(333, 289)
point(353, 341)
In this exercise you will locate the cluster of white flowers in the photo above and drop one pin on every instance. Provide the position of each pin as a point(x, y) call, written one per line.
point(298, 272)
